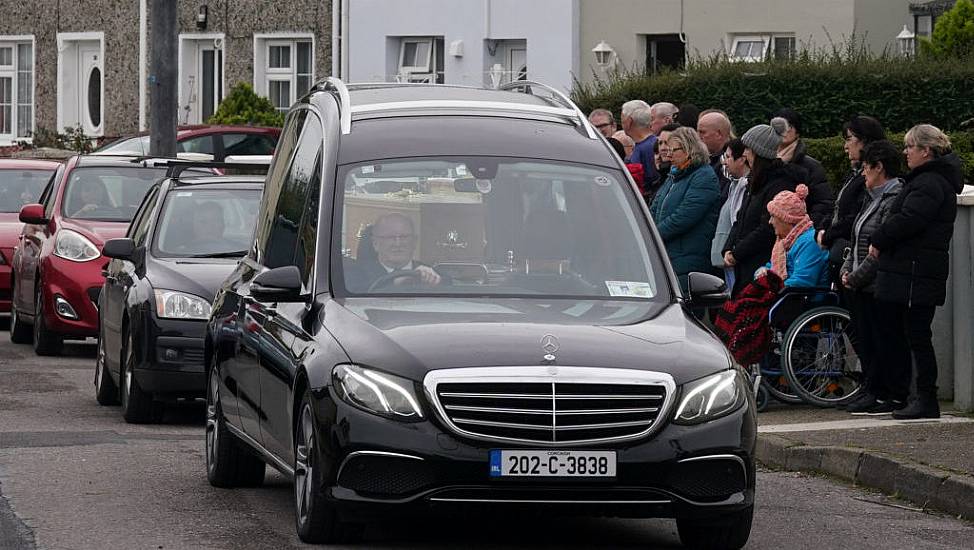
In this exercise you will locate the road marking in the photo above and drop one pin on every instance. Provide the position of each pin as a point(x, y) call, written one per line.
point(856, 423)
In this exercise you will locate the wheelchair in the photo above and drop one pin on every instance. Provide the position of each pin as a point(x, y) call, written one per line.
point(812, 359)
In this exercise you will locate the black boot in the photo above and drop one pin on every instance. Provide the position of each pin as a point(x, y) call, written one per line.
point(923, 406)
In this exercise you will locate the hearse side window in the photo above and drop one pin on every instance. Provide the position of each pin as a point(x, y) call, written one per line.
point(274, 183)
point(283, 239)
point(304, 255)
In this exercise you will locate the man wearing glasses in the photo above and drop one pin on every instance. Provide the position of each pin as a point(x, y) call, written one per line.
point(393, 242)
point(604, 122)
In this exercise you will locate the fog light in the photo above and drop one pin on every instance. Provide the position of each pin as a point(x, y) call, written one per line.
point(63, 308)
point(170, 354)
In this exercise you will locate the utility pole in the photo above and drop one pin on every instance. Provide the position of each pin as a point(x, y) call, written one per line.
point(162, 78)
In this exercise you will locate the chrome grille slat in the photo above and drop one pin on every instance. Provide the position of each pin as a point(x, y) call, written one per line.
point(592, 406)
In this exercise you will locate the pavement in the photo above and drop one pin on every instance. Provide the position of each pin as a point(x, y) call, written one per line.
point(927, 462)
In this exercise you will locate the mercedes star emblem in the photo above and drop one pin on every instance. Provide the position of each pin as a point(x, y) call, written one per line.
point(549, 343)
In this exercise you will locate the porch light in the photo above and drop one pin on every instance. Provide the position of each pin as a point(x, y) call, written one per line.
point(906, 41)
point(603, 54)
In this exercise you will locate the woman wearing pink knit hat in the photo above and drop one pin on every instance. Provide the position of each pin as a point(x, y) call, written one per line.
point(796, 257)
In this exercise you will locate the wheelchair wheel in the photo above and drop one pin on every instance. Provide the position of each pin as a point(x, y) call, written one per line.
point(773, 379)
point(818, 358)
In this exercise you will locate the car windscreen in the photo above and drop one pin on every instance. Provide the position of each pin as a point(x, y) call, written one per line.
point(490, 226)
point(107, 193)
point(138, 146)
point(20, 187)
point(201, 223)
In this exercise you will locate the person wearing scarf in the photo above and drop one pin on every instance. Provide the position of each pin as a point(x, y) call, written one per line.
point(796, 258)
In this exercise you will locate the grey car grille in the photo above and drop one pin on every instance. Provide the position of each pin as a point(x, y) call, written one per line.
point(552, 412)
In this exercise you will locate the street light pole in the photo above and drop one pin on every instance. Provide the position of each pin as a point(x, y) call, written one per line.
point(162, 78)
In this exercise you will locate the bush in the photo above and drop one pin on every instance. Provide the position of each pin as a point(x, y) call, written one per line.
point(825, 88)
point(953, 36)
point(829, 152)
point(73, 139)
point(243, 106)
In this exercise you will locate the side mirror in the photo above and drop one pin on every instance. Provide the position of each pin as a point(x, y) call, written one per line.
point(281, 284)
point(33, 214)
point(707, 290)
point(121, 249)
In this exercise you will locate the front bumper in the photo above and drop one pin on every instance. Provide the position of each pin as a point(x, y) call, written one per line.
point(376, 467)
point(173, 361)
point(78, 284)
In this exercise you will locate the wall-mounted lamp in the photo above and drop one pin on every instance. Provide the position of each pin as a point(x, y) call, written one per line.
point(906, 41)
point(201, 17)
point(604, 54)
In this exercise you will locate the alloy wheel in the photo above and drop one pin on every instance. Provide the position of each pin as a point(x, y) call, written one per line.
point(212, 420)
point(304, 464)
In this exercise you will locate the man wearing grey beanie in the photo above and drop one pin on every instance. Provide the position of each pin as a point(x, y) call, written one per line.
point(749, 244)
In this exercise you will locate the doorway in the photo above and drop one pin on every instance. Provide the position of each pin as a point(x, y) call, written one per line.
point(81, 84)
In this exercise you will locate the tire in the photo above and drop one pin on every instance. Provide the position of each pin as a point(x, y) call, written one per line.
point(106, 391)
point(20, 332)
point(138, 406)
point(726, 533)
point(46, 341)
point(818, 357)
point(228, 462)
point(315, 516)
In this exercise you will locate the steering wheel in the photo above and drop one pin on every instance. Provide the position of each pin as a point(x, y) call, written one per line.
point(390, 278)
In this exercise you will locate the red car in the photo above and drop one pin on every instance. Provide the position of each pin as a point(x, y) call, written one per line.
point(57, 267)
point(21, 182)
point(218, 141)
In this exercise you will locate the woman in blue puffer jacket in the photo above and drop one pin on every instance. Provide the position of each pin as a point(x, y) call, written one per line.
point(685, 208)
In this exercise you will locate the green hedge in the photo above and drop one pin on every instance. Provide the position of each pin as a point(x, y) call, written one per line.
point(830, 153)
point(825, 90)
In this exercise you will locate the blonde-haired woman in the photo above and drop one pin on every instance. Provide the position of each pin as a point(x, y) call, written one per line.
point(913, 247)
point(686, 206)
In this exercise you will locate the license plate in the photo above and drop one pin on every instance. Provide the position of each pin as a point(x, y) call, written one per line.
point(517, 463)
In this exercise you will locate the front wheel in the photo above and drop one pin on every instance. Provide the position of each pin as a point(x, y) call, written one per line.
point(138, 407)
point(316, 518)
point(106, 392)
point(726, 533)
point(818, 357)
point(20, 332)
point(46, 341)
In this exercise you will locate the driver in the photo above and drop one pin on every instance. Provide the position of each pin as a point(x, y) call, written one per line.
point(394, 242)
point(92, 195)
point(208, 227)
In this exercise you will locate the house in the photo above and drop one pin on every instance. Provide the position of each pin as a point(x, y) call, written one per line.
point(70, 63)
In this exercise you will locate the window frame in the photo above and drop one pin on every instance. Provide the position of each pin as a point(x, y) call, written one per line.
point(428, 73)
point(14, 71)
point(750, 38)
point(264, 74)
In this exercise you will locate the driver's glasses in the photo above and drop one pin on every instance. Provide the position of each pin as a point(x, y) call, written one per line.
point(396, 239)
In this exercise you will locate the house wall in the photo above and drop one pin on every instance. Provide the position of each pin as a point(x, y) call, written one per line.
point(549, 27)
point(879, 21)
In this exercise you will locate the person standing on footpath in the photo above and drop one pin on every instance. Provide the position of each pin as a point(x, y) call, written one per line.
point(885, 358)
point(749, 244)
point(685, 208)
point(637, 120)
point(604, 121)
point(715, 130)
point(792, 150)
point(734, 166)
point(913, 247)
point(835, 233)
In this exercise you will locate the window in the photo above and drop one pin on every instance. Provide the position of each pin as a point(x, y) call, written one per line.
point(248, 144)
point(784, 47)
point(421, 60)
point(274, 183)
point(293, 199)
point(199, 144)
point(924, 25)
point(664, 51)
point(285, 69)
point(16, 90)
point(749, 48)
point(139, 227)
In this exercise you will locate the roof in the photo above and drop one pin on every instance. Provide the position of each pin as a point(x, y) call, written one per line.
point(28, 164)
point(366, 94)
point(248, 181)
point(117, 160)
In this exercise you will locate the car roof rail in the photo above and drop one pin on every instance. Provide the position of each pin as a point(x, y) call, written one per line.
point(527, 86)
point(335, 84)
point(177, 167)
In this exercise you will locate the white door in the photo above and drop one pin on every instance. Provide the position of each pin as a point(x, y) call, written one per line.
point(518, 64)
point(90, 99)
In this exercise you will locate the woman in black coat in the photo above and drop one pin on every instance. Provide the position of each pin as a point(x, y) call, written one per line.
point(913, 247)
point(749, 243)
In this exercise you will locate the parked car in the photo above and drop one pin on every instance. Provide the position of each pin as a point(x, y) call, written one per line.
point(57, 269)
point(215, 141)
point(183, 242)
point(456, 299)
point(21, 182)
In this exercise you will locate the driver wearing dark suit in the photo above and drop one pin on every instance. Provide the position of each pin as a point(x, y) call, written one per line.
point(393, 239)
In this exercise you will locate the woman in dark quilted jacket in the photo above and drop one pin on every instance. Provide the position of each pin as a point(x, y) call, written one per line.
point(913, 247)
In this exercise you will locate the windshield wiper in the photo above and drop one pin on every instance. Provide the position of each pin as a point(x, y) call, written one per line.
point(234, 254)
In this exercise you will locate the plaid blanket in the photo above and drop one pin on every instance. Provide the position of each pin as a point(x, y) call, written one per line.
point(742, 323)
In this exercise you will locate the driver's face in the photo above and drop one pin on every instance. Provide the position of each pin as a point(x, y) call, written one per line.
point(208, 227)
point(394, 242)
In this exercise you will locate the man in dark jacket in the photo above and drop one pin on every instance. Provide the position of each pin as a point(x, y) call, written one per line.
point(393, 240)
point(913, 247)
point(792, 151)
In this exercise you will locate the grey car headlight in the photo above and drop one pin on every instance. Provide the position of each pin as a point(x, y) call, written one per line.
point(377, 392)
point(710, 397)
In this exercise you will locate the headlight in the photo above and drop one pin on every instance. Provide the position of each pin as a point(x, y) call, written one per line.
point(377, 392)
point(74, 246)
point(179, 305)
point(710, 398)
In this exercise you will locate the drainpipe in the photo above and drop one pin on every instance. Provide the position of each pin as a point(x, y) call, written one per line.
point(142, 60)
point(344, 40)
point(335, 30)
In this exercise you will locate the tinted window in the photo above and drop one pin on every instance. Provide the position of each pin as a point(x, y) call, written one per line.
point(304, 256)
point(140, 224)
point(248, 144)
point(199, 144)
point(283, 240)
point(278, 172)
point(107, 193)
point(493, 227)
point(127, 146)
point(206, 222)
point(20, 187)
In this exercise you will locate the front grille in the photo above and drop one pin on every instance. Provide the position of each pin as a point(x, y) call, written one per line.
point(385, 475)
point(551, 412)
